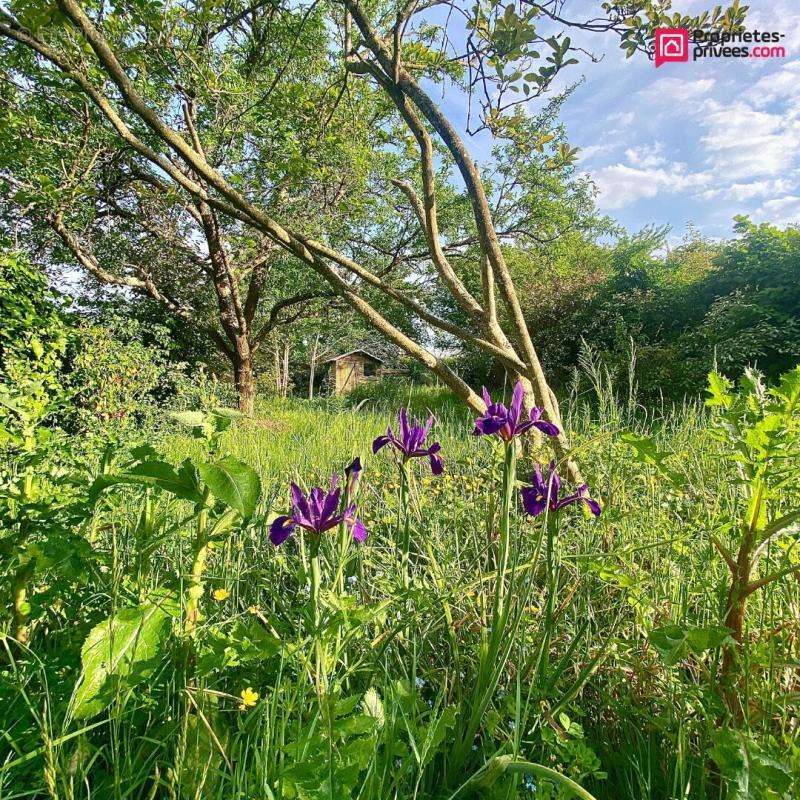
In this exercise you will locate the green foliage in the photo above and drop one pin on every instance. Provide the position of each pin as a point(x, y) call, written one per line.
point(399, 703)
point(122, 652)
point(120, 373)
point(665, 321)
point(751, 772)
point(33, 323)
point(675, 643)
point(234, 483)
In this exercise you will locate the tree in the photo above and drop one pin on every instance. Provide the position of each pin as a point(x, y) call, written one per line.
point(394, 51)
point(125, 225)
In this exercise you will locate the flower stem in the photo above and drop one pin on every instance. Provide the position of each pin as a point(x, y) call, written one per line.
point(492, 659)
point(319, 651)
point(552, 586)
point(504, 545)
point(200, 553)
point(405, 511)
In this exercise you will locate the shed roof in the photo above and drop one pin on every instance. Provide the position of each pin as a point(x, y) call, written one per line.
point(352, 353)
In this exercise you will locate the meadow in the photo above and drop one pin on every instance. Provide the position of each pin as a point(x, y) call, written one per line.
point(166, 648)
point(213, 589)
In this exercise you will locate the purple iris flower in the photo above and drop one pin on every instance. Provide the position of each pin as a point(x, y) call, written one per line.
point(411, 442)
point(543, 493)
point(505, 422)
point(352, 473)
point(316, 513)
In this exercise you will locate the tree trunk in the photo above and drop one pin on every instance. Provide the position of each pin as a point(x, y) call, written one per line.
point(276, 354)
point(313, 366)
point(243, 375)
point(285, 371)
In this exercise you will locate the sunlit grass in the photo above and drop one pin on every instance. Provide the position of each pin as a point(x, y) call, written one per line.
point(646, 562)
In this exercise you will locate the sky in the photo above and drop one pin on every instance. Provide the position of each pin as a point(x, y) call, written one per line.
point(696, 142)
point(693, 142)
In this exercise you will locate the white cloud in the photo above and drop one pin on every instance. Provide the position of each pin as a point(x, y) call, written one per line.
point(782, 84)
point(620, 185)
point(624, 118)
point(678, 89)
point(723, 132)
point(647, 157)
point(745, 142)
point(780, 211)
point(742, 192)
point(594, 150)
point(777, 15)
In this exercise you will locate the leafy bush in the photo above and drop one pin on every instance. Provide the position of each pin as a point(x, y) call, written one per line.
point(684, 312)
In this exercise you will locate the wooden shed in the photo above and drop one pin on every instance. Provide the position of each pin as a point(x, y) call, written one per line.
point(351, 369)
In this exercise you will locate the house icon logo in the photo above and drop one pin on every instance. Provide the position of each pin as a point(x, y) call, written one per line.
point(672, 44)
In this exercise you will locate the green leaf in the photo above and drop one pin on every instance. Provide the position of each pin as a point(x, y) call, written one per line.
point(648, 453)
point(436, 733)
point(719, 390)
point(750, 773)
point(121, 652)
point(788, 389)
point(646, 450)
point(235, 483)
point(191, 419)
point(151, 473)
point(674, 642)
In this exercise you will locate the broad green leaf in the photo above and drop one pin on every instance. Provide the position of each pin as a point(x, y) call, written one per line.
point(191, 419)
point(648, 453)
point(151, 473)
point(674, 642)
point(749, 772)
point(235, 483)
point(197, 421)
point(120, 653)
point(646, 450)
point(719, 391)
point(789, 389)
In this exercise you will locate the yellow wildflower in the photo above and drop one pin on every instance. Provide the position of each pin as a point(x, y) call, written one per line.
point(249, 698)
point(221, 594)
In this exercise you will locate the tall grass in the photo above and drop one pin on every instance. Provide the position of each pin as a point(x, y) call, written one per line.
point(580, 691)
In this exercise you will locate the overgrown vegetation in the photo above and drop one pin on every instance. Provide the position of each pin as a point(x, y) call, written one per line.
point(161, 645)
point(210, 588)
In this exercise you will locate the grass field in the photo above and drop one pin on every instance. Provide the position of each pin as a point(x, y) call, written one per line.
point(360, 685)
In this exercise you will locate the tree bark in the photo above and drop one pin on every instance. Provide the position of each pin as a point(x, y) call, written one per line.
point(242, 358)
point(313, 366)
point(285, 370)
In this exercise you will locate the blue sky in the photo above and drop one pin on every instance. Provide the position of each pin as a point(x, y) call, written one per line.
point(693, 142)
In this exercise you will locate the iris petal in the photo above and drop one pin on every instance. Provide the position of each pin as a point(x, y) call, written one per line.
point(380, 442)
point(330, 505)
point(359, 531)
point(546, 427)
point(515, 409)
point(281, 529)
point(533, 501)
